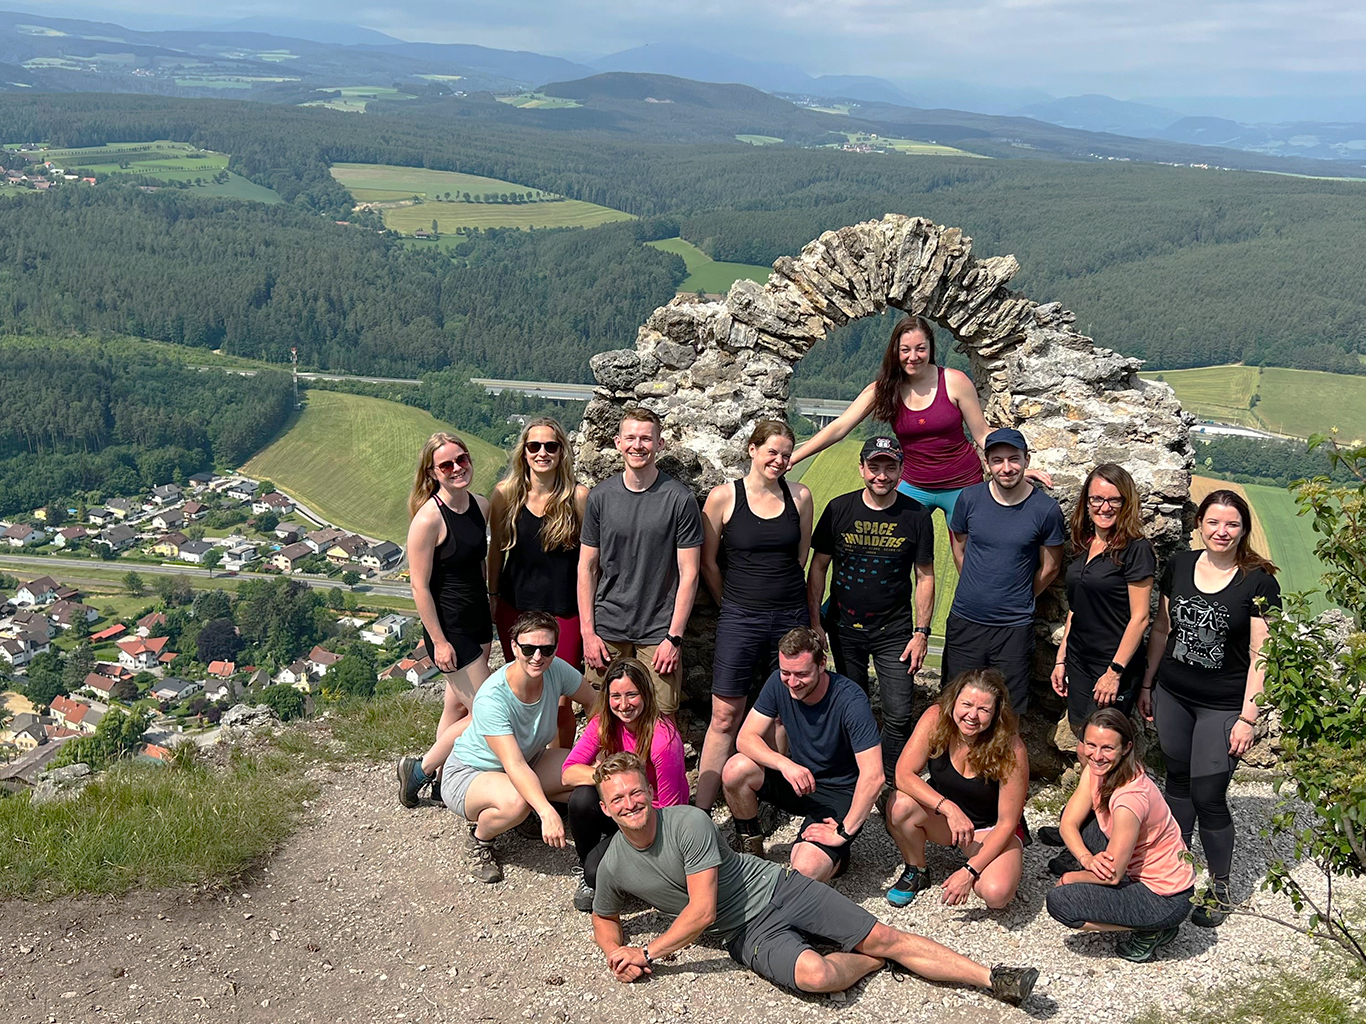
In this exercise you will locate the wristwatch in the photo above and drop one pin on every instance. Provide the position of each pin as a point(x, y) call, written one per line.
point(924, 629)
point(839, 831)
point(677, 641)
point(1116, 668)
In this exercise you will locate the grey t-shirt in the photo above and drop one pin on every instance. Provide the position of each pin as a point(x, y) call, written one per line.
point(686, 842)
point(638, 536)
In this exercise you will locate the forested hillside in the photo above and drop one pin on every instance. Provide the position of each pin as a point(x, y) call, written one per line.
point(97, 420)
point(1181, 266)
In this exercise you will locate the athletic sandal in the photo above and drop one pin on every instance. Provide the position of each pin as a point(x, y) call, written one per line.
point(1051, 835)
point(1213, 906)
point(913, 880)
point(583, 893)
point(486, 866)
point(1142, 947)
point(1013, 984)
point(411, 779)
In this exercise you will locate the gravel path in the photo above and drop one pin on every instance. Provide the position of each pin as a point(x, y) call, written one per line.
point(369, 914)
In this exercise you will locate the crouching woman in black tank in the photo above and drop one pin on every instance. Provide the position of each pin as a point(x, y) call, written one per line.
point(447, 546)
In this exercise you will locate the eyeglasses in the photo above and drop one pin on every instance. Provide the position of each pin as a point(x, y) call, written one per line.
point(448, 467)
point(1097, 502)
point(530, 651)
point(551, 447)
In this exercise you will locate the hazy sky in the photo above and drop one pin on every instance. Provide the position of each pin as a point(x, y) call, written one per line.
point(1126, 48)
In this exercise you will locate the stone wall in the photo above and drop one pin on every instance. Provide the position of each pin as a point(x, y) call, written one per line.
point(712, 369)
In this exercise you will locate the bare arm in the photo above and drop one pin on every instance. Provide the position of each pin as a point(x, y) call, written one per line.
point(628, 962)
point(1009, 808)
point(1241, 738)
point(423, 536)
point(815, 586)
point(1157, 646)
point(689, 569)
point(519, 773)
point(838, 429)
point(1108, 866)
point(958, 543)
point(806, 512)
point(497, 538)
point(871, 776)
point(715, 512)
point(964, 395)
point(919, 644)
point(1059, 674)
point(595, 652)
point(1050, 561)
point(1077, 810)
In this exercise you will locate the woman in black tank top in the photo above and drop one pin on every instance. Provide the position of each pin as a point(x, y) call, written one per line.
point(757, 536)
point(979, 778)
point(535, 516)
point(447, 546)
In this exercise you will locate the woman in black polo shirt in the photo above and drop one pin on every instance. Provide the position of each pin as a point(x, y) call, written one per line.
point(1203, 661)
point(1109, 587)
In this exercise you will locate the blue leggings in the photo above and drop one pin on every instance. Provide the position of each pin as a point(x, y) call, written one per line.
point(943, 499)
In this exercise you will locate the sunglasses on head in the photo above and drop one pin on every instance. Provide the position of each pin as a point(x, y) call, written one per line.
point(530, 651)
point(462, 460)
point(551, 447)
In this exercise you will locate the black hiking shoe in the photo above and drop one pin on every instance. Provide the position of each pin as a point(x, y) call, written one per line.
point(411, 779)
point(1063, 863)
point(1213, 906)
point(1013, 984)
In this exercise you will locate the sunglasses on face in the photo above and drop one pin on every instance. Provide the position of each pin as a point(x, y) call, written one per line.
point(1096, 502)
point(530, 651)
point(448, 467)
point(551, 447)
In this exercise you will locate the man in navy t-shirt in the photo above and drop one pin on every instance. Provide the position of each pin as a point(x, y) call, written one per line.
point(1007, 541)
point(833, 772)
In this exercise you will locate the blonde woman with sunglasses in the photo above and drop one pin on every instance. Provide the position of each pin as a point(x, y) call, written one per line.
point(447, 546)
point(535, 515)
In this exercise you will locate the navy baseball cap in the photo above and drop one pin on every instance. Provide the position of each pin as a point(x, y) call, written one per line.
point(1006, 435)
point(888, 446)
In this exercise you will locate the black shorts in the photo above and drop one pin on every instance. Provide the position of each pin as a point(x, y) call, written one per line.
point(468, 647)
point(1010, 649)
point(826, 802)
point(747, 645)
point(770, 943)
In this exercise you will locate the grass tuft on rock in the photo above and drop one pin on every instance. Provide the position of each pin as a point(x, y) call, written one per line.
point(1283, 998)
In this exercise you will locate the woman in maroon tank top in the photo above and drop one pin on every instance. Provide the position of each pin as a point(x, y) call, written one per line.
point(928, 406)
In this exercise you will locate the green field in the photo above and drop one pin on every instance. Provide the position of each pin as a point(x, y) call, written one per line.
point(568, 213)
point(1290, 538)
point(759, 140)
point(390, 183)
point(351, 459)
point(238, 187)
point(707, 274)
point(835, 471)
point(911, 147)
point(164, 159)
point(1294, 402)
point(231, 81)
point(538, 101)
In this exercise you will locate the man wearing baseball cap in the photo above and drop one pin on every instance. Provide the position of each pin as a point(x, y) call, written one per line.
point(1007, 541)
point(881, 544)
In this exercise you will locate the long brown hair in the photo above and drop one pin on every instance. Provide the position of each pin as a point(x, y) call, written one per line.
point(890, 376)
point(424, 482)
point(560, 530)
point(1127, 768)
point(1128, 523)
point(610, 727)
point(1247, 556)
point(992, 754)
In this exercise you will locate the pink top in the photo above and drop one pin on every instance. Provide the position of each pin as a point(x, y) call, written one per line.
point(665, 772)
point(1157, 860)
point(935, 450)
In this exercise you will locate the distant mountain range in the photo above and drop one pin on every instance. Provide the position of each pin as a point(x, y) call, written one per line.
point(287, 60)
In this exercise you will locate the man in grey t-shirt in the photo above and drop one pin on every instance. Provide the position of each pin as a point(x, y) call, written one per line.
point(639, 559)
point(673, 858)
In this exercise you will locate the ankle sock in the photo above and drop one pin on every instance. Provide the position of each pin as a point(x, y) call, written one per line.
point(747, 826)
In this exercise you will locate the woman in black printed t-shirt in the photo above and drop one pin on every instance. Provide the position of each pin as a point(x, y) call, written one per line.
point(1203, 656)
point(1109, 590)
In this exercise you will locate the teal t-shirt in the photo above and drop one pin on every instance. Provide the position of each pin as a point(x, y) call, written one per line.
point(498, 712)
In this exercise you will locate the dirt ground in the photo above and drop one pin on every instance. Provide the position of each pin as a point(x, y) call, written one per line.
point(369, 914)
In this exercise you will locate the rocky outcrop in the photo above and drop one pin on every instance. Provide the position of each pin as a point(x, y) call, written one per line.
point(249, 717)
point(712, 369)
point(60, 784)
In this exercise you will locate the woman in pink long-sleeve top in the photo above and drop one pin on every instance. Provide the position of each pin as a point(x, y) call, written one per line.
point(625, 717)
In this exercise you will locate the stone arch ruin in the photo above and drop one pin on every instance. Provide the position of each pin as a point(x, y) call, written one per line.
point(712, 369)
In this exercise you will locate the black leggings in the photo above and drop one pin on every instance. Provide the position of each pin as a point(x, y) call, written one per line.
point(1195, 745)
point(591, 830)
point(1130, 904)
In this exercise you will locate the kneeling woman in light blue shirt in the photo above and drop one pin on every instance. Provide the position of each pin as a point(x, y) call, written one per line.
point(500, 769)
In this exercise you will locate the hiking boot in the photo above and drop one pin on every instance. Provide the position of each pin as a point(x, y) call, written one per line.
point(1142, 947)
point(1013, 984)
point(1063, 863)
point(583, 893)
point(752, 845)
point(912, 881)
point(1213, 906)
point(530, 827)
point(411, 779)
point(486, 866)
point(1051, 835)
point(436, 790)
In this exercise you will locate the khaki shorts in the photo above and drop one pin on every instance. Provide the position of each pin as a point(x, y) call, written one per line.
point(667, 688)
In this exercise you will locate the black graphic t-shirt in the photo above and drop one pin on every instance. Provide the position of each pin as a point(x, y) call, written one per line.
point(1207, 655)
point(873, 553)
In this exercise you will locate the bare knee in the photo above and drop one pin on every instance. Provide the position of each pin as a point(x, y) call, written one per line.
point(814, 973)
point(725, 717)
point(740, 772)
point(996, 895)
point(812, 862)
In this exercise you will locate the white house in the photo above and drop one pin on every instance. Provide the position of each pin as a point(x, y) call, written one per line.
point(172, 519)
point(240, 555)
point(382, 555)
point(141, 653)
point(99, 516)
point(166, 494)
point(172, 688)
point(22, 535)
point(384, 627)
point(193, 551)
point(43, 590)
point(16, 652)
point(295, 675)
point(320, 659)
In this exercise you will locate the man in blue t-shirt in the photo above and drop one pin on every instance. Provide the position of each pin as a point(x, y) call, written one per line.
point(834, 769)
point(1007, 541)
